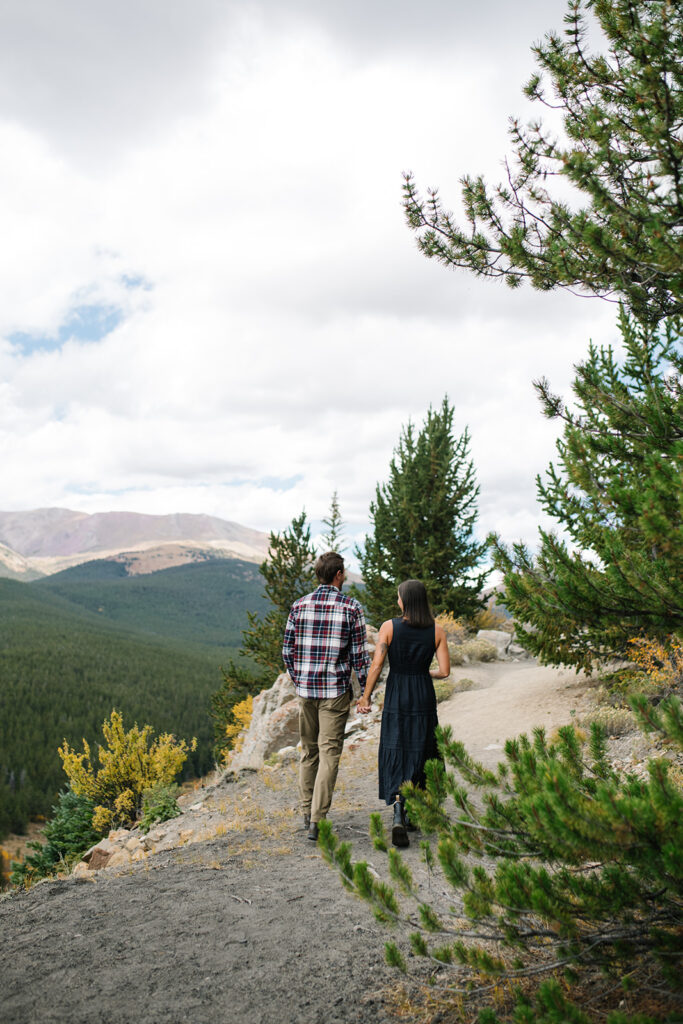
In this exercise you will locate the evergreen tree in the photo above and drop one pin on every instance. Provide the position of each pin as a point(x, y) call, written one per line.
point(68, 834)
point(333, 539)
point(561, 860)
point(288, 574)
point(617, 496)
point(622, 153)
point(423, 522)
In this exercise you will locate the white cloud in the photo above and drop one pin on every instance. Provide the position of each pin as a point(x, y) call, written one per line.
point(247, 170)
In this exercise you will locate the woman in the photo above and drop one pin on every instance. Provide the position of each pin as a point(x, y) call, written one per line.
point(407, 739)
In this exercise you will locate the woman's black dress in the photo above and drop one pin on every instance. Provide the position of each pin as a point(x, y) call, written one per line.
point(407, 738)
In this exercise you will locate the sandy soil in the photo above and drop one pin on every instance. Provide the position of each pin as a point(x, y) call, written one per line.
point(511, 697)
point(251, 925)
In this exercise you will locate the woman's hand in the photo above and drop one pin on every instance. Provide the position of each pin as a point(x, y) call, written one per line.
point(363, 705)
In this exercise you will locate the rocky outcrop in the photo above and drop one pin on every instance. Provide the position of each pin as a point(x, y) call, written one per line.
point(275, 720)
point(274, 724)
point(498, 637)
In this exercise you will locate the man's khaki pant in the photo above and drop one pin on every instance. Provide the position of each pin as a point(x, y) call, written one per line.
point(321, 725)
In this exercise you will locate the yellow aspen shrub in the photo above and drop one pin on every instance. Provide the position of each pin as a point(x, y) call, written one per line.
point(130, 763)
point(235, 730)
point(661, 661)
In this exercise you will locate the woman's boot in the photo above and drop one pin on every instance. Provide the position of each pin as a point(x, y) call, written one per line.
point(399, 832)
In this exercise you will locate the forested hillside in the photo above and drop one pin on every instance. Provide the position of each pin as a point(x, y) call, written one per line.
point(203, 604)
point(150, 647)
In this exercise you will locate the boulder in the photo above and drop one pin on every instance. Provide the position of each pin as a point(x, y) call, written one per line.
point(517, 651)
point(99, 858)
point(274, 724)
point(121, 858)
point(498, 637)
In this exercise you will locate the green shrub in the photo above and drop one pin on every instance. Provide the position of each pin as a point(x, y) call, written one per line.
point(560, 860)
point(159, 803)
point(68, 835)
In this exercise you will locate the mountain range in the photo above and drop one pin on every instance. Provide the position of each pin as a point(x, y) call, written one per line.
point(44, 541)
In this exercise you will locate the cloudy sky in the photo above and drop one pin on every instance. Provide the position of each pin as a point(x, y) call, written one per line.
point(209, 299)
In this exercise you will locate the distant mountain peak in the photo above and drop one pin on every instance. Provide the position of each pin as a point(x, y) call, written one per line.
point(51, 539)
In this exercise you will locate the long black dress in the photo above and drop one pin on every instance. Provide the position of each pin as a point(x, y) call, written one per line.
point(409, 719)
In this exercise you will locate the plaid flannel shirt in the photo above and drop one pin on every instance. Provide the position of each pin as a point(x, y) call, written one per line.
point(325, 639)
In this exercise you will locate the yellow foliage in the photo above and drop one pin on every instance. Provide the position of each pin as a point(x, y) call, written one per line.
point(241, 719)
point(4, 868)
point(662, 662)
point(128, 765)
point(454, 629)
point(486, 618)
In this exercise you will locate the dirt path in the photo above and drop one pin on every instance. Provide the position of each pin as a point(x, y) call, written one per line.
point(510, 698)
point(250, 926)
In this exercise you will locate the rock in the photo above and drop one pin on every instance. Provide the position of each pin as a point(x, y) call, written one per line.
point(516, 651)
point(80, 869)
point(99, 859)
point(498, 637)
point(119, 859)
point(98, 855)
point(117, 835)
point(133, 844)
point(154, 835)
point(286, 754)
point(274, 724)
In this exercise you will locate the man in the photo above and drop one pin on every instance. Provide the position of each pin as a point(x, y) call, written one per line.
point(325, 639)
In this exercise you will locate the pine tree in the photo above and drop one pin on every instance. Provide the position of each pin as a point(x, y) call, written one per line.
point(68, 834)
point(423, 522)
point(333, 539)
point(622, 153)
point(559, 862)
point(288, 574)
point(617, 496)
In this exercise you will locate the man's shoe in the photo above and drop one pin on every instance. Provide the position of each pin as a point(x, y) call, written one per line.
point(313, 831)
point(399, 832)
point(307, 820)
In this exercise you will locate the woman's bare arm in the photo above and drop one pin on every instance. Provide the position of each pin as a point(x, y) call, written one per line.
point(386, 632)
point(443, 657)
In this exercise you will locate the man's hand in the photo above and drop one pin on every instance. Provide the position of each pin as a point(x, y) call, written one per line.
point(363, 705)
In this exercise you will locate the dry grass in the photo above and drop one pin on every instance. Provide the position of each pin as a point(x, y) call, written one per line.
point(615, 721)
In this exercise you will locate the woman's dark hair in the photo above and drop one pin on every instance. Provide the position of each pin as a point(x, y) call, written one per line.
point(416, 610)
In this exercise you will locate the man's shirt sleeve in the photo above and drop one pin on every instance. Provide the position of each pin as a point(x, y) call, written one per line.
point(358, 648)
point(289, 644)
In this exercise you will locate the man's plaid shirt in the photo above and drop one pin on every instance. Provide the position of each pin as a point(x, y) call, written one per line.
point(325, 638)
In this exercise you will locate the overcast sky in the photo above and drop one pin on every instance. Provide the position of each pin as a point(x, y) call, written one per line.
point(210, 301)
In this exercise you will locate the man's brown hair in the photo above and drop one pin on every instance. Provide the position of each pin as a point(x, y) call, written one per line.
point(328, 565)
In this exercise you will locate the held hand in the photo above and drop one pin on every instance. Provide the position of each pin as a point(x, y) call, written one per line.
point(363, 705)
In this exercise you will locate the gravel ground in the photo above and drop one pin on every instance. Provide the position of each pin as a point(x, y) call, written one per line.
point(250, 925)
